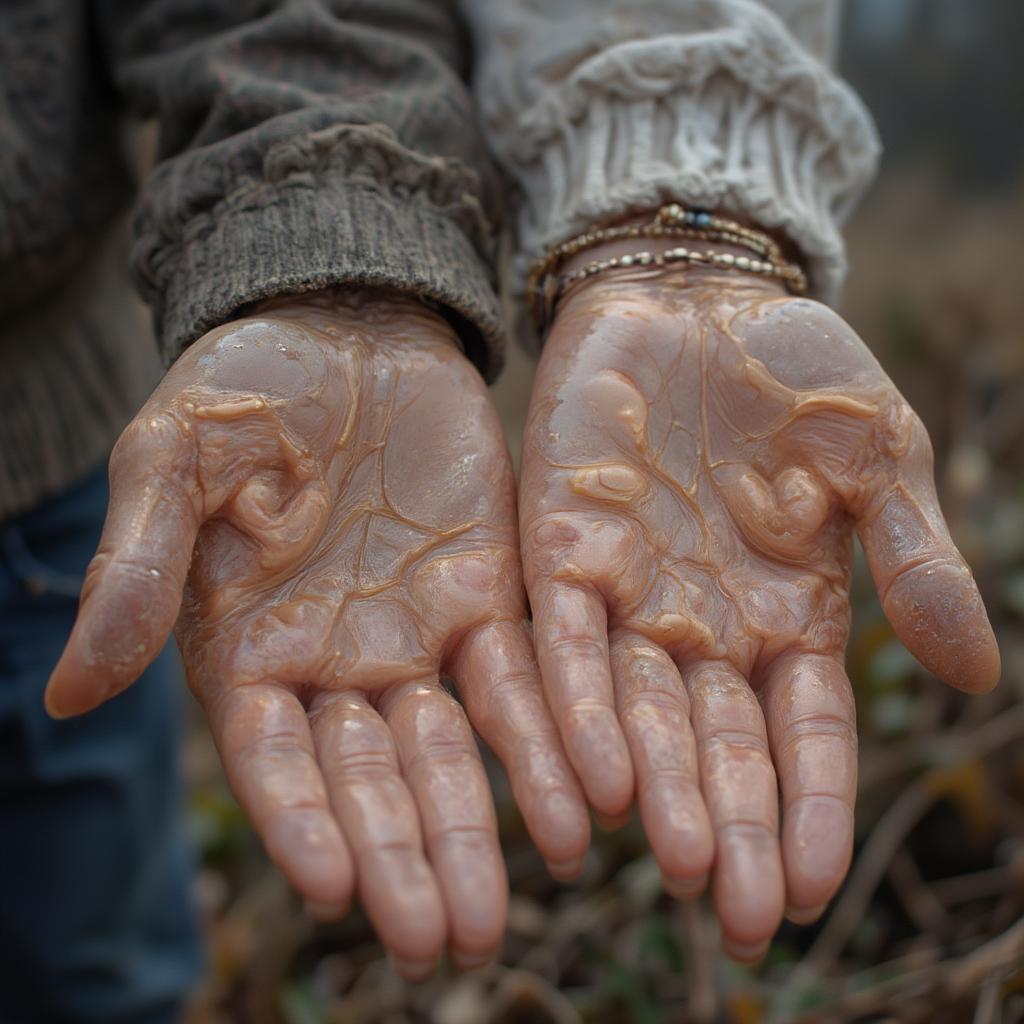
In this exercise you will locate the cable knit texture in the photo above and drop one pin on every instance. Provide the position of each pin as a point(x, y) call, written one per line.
point(600, 109)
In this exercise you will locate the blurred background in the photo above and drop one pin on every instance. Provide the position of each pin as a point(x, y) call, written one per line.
point(930, 924)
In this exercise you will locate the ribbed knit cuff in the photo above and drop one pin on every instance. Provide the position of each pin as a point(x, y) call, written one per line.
point(741, 119)
point(313, 236)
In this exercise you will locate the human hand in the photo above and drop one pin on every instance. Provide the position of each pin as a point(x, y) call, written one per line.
point(700, 448)
point(328, 485)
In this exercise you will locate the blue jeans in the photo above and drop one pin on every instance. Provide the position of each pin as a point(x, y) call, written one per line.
point(96, 920)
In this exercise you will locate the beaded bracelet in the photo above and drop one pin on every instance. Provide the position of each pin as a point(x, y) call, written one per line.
point(671, 221)
point(649, 259)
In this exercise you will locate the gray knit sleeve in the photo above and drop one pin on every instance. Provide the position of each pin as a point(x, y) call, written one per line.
point(599, 107)
point(304, 145)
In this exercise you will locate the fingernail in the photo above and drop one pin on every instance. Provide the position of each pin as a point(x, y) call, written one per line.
point(566, 870)
point(466, 962)
point(684, 888)
point(746, 953)
point(805, 915)
point(326, 911)
point(412, 970)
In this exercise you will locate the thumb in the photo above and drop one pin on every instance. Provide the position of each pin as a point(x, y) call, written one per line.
point(133, 586)
point(925, 586)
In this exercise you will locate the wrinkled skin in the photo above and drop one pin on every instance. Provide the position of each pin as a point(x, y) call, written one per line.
point(337, 468)
point(699, 450)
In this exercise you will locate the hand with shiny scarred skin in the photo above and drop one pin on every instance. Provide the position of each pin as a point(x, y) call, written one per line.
point(327, 484)
point(699, 451)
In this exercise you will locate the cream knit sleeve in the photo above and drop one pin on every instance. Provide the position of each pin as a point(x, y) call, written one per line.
point(598, 107)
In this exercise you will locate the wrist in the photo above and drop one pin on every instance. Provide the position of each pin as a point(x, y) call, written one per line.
point(673, 245)
point(656, 285)
point(338, 312)
point(622, 247)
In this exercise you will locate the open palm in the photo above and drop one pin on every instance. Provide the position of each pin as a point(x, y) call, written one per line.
point(699, 451)
point(324, 492)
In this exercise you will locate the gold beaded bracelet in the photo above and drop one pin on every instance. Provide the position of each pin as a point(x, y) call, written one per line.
point(671, 221)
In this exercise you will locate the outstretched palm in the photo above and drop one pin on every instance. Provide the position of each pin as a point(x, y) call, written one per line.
point(328, 486)
point(698, 453)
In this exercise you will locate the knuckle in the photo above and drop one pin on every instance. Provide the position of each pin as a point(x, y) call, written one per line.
point(925, 565)
point(823, 724)
point(577, 645)
point(94, 573)
point(824, 728)
point(438, 750)
point(748, 830)
point(583, 707)
point(538, 752)
point(271, 761)
point(643, 703)
point(733, 742)
point(360, 765)
point(399, 848)
point(147, 432)
point(680, 778)
point(128, 570)
point(126, 447)
point(516, 687)
point(511, 698)
point(479, 837)
point(820, 797)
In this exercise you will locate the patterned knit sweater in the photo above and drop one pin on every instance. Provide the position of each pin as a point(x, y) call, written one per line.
point(311, 143)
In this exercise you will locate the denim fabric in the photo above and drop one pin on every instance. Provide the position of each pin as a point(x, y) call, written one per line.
point(96, 921)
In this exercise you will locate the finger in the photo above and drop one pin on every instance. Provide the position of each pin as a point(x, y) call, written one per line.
point(811, 719)
point(379, 819)
point(924, 584)
point(500, 687)
point(738, 782)
point(614, 822)
point(570, 630)
point(655, 713)
point(263, 737)
point(134, 584)
point(442, 767)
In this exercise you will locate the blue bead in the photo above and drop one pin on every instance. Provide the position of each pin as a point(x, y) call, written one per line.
point(703, 220)
point(689, 217)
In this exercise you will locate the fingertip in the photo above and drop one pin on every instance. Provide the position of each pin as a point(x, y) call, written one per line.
point(310, 852)
point(53, 703)
point(937, 611)
point(686, 866)
point(817, 846)
point(477, 909)
point(477, 923)
point(474, 962)
point(682, 841)
point(980, 671)
point(561, 832)
point(605, 770)
point(415, 926)
point(614, 822)
point(749, 887)
point(412, 970)
point(566, 871)
point(684, 889)
point(746, 953)
point(67, 696)
point(802, 916)
point(327, 912)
